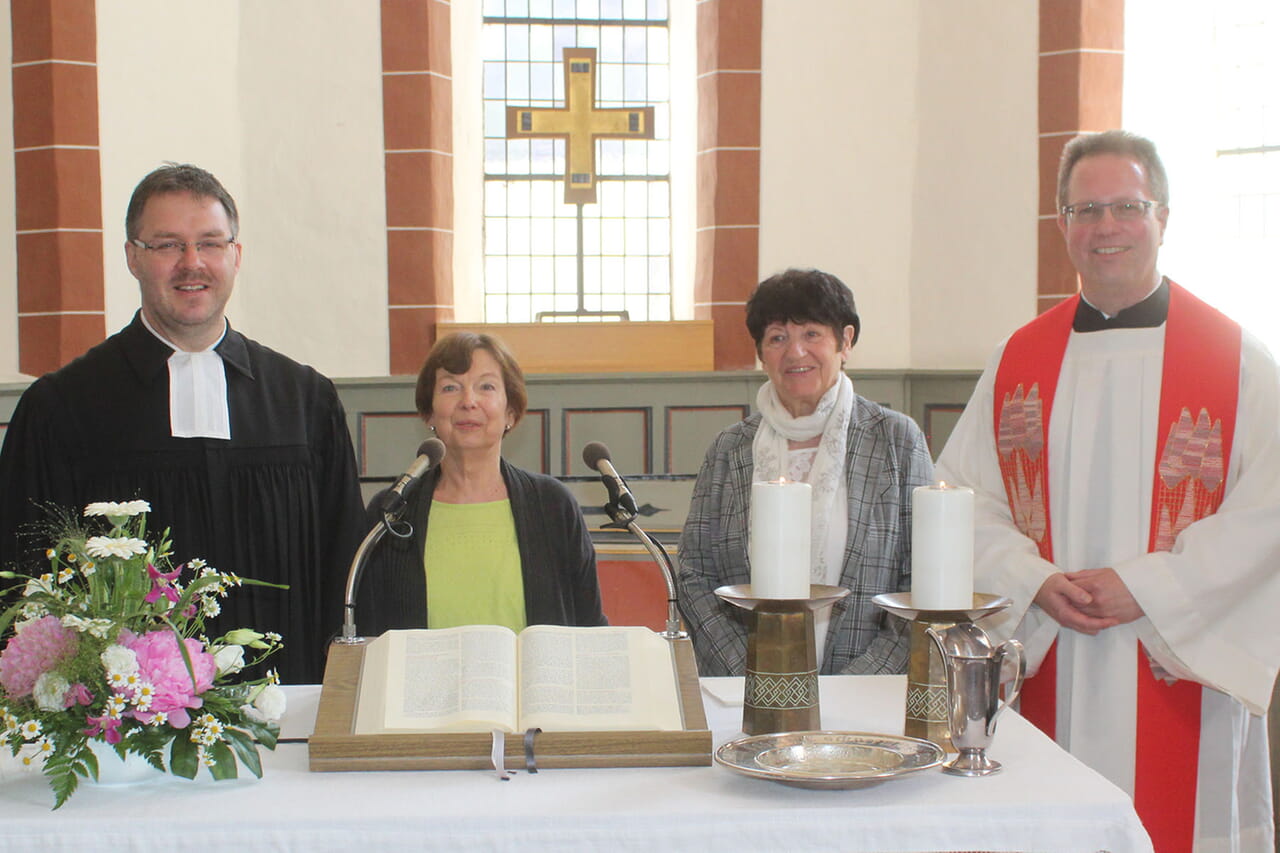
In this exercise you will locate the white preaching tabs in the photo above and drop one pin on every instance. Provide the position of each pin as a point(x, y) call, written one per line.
point(197, 391)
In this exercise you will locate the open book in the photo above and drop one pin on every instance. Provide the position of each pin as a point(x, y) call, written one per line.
point(481, 677)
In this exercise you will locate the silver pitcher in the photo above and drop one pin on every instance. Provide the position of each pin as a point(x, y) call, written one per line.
point(973, 669)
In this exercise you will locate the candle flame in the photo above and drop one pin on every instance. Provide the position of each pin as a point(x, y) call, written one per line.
point(942, 484)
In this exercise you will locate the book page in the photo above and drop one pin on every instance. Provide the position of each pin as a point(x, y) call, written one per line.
point(597, 679)
point(453, 679)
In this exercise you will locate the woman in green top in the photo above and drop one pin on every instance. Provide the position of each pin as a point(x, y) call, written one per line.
point(492, 544)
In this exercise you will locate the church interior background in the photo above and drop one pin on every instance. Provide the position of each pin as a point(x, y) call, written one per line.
point(909, 148)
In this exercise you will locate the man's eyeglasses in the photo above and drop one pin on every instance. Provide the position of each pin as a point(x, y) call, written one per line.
point(1091, 212)
point(176, 248)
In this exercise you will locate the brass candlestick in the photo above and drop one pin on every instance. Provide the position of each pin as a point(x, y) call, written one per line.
point(928, 708)
point(781, 692)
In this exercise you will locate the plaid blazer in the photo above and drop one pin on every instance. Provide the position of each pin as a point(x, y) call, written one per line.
point(887, 457)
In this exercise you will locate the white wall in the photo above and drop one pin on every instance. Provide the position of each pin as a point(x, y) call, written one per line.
point(973, 248)
point(283, 102)
point(838, 131)
point(900, 154)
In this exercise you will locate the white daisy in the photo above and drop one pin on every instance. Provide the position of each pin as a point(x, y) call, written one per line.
point(126, 509)
point(107, 546)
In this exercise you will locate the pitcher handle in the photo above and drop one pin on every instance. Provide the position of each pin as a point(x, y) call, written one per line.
point(1015, 686)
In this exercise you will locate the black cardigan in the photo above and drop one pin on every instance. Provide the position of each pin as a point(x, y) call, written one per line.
point(557, 559)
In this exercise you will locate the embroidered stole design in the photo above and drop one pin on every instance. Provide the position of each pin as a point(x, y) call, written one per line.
point(1200, 375)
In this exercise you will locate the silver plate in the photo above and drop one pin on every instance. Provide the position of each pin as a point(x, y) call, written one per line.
point(828, 759)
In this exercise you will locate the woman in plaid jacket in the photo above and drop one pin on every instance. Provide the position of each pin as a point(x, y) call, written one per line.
point(861, 460)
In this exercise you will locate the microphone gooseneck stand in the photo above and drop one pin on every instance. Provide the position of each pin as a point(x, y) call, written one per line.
point(394, 505)
point(392, 522)
point(625, 519)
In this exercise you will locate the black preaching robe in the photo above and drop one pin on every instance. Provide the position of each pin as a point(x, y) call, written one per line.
point(278, 502)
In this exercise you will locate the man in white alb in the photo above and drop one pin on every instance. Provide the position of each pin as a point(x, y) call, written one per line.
point(1125, 451)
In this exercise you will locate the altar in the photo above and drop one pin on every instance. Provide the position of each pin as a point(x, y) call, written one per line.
point(1043, 800)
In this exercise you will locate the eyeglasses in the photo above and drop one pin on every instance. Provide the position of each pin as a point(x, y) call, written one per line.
point(177, 248)
point(1090, 212)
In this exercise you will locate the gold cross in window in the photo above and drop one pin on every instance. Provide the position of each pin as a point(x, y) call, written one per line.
point(580, 123)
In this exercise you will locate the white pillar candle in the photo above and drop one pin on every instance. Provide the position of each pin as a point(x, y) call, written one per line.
point(779, 549)
point(942, 548)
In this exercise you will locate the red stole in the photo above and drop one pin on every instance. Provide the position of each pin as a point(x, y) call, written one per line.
point(1201, 375)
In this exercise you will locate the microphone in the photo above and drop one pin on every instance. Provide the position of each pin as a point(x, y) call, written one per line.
point(622, 510)
point(430, 452)
point(596, 455)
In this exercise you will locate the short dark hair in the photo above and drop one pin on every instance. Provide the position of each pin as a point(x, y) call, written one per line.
point(1121, 143)
point(454, 352)
point(178, 178)
point(802, 296)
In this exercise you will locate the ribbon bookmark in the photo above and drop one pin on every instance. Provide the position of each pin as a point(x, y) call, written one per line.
point(498, 755)
point(530, 763)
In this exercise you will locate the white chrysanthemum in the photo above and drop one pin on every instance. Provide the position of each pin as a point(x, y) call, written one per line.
point(210, 607)
point(66, 575)
point(50, 691)
point(127, 509)
point(119, 659)
point(30, 730)
point(88, 568)
point(107, 546)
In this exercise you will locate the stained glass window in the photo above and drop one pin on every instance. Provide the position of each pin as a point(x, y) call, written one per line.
point(545, 259)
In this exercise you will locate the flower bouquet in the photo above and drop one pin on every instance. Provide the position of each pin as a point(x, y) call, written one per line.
point(108, 647)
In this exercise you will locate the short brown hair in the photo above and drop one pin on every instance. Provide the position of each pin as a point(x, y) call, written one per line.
point(179, 178)
point(1122, 143)
point(454, 352)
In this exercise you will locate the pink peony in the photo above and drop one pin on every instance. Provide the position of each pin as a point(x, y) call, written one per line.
point(37, 647)
point(160, 664)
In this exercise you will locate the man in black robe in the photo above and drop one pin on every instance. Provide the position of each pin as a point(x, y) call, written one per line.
point(243, 453)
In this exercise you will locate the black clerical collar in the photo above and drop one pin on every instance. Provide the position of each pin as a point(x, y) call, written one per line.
point(234, 351)
point(1147, 314)
point(149, 355)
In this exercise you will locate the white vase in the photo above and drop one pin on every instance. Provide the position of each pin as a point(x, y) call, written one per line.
point(112, 771)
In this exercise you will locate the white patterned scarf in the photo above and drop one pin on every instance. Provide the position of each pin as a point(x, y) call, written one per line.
point(827, 477)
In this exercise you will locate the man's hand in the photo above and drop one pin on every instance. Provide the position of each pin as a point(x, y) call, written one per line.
point(1071, 604)
point(1111, 599)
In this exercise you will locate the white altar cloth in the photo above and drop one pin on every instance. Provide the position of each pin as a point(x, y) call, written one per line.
point(1044, 800)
